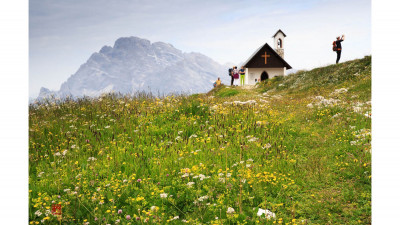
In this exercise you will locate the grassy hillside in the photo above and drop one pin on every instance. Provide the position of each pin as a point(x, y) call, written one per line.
point(297, 146)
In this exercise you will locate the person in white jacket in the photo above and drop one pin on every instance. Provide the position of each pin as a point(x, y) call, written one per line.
point(235, 76)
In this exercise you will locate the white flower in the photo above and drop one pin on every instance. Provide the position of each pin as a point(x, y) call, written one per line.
point(64, 152)
point(202, 176)
point(310, 105)
point(357, 109)
point(107, 127)
point(253, 139)
point(178, 138)
point(163, 195)
point(267, 146)
point(185, 175)
point(175, 218)
point(91, 159)
point(268, 214)
point(38, 213)
point(339, 91)
point(221, 179)
point(202, 198)
point(190, 184)
point(221, 174)
point(180, 132)
point(230, 210)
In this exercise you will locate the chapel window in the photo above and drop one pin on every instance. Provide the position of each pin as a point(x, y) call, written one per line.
point(279, 43)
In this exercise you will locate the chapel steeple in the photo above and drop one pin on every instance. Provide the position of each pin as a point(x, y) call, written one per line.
point(279, 39)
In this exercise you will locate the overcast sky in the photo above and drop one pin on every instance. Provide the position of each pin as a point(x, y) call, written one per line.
point(63, 34)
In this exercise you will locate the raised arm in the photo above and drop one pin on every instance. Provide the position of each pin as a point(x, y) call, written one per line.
point(343, 37)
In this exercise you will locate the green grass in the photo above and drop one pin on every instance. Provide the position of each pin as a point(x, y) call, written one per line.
point(308, 162)
point(227, 92)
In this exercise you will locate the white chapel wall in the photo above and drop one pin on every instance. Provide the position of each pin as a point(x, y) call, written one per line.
point(255, 73)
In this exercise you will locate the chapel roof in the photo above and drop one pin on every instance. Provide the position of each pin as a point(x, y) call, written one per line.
point(265, 47)
point(278, 32)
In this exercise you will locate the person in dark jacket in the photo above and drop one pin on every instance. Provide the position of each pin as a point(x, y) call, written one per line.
point(339, 48)
point(231, 75)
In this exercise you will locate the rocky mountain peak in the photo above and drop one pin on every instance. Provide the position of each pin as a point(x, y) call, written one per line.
point(135, 64)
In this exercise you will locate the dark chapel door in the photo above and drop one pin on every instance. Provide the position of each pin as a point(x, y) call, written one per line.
point(264, 76)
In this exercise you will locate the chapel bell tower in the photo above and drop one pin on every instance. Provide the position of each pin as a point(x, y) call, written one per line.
point(279, 42)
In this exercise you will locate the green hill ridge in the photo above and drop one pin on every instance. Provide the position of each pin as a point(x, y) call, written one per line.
point(295, 149)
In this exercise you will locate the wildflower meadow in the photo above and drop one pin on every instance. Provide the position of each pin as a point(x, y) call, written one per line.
point(292, 150)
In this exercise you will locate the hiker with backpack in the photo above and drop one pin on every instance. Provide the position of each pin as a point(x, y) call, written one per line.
point(231, 75)
point(337, 46)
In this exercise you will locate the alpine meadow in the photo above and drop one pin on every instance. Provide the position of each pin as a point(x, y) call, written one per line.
point(294, 149)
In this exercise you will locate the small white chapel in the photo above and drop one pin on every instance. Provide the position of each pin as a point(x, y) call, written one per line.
point(266, 62)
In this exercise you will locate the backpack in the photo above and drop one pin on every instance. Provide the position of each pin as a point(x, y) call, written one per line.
point(230, 71)
point(334, 48)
